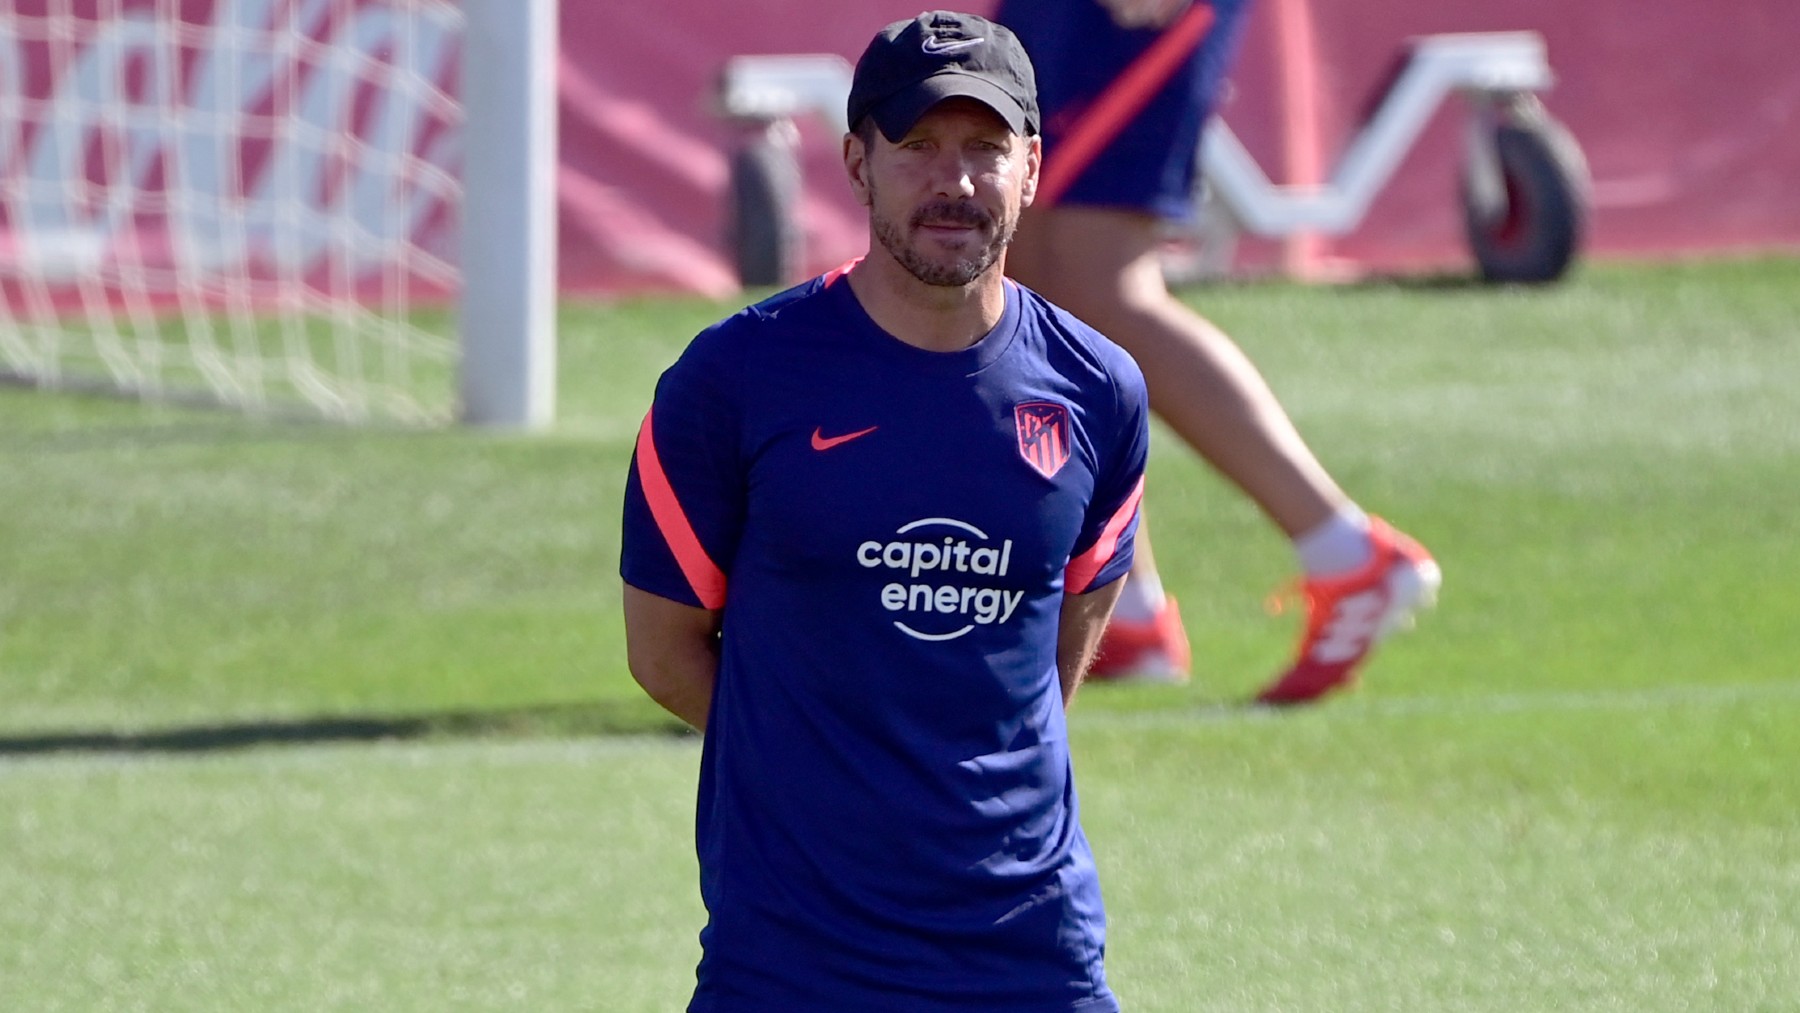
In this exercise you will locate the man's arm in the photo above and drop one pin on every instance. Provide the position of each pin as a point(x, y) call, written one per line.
point(673, 652)
point(1083, 619)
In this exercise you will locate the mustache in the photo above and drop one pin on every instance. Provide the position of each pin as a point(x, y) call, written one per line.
point(951, 213)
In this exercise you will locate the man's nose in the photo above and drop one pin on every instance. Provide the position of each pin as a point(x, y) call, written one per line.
point(952, 175)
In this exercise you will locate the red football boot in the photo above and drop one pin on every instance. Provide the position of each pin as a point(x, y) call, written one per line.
point(1347, 616)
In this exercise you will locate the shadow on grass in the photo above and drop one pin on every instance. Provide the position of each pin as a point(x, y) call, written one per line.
point(611, 719)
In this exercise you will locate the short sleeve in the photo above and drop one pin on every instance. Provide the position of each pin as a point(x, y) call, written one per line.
point(685, 494)
point(1104, 550)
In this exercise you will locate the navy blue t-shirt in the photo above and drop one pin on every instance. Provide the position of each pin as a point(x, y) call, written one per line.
point(886, 817)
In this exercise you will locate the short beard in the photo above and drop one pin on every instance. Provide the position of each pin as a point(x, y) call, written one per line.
point(955, 274)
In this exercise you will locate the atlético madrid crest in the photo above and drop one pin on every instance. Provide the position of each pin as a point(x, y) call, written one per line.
point(1043, 435)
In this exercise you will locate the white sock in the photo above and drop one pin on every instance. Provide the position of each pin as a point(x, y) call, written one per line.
point(1337, 546)
point(1141, 599)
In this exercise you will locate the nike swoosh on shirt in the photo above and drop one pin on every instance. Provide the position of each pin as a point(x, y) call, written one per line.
point(822, 442)
point(937, 47)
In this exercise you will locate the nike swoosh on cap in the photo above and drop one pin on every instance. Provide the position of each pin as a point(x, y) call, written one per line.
point(822, 442)
point(937, 46)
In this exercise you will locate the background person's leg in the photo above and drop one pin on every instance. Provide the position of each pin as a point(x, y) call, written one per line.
point(1363, 580)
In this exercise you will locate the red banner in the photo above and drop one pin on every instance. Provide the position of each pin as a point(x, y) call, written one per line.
point(1697, 161)
point(1685, 111)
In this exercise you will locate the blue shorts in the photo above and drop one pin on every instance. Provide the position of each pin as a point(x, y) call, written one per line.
point(1077, 50)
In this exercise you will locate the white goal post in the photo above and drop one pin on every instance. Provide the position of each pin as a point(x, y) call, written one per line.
point(338, 207)
point(509, 220)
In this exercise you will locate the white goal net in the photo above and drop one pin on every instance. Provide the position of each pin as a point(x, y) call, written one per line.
point(247, 202)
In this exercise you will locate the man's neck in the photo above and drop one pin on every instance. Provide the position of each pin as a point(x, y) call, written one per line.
point(937, 318)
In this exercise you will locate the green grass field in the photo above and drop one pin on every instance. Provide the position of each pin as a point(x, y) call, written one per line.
point(297, 717)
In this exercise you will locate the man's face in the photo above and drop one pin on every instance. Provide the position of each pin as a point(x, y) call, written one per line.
point(945, 199)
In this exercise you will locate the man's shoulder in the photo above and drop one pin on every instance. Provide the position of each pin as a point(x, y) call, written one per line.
point(1059, 327)
point(804, 304)
point(791, 311)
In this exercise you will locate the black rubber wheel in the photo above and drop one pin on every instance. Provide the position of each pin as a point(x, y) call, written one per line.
point(1535, 236)
point(763, 232)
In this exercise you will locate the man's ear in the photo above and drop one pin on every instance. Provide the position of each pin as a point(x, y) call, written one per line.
point(1034, 161)
point(856, 166)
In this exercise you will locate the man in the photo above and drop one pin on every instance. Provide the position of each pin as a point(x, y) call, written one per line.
point(1094, 252)
point(873, 529)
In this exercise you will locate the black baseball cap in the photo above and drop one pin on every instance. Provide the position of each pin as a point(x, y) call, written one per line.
point(913, 65)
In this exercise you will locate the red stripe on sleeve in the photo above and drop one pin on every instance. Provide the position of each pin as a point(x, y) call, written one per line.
point(832, 276)
point(1121, 100)
point(1082, 570)
point(703, 575)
